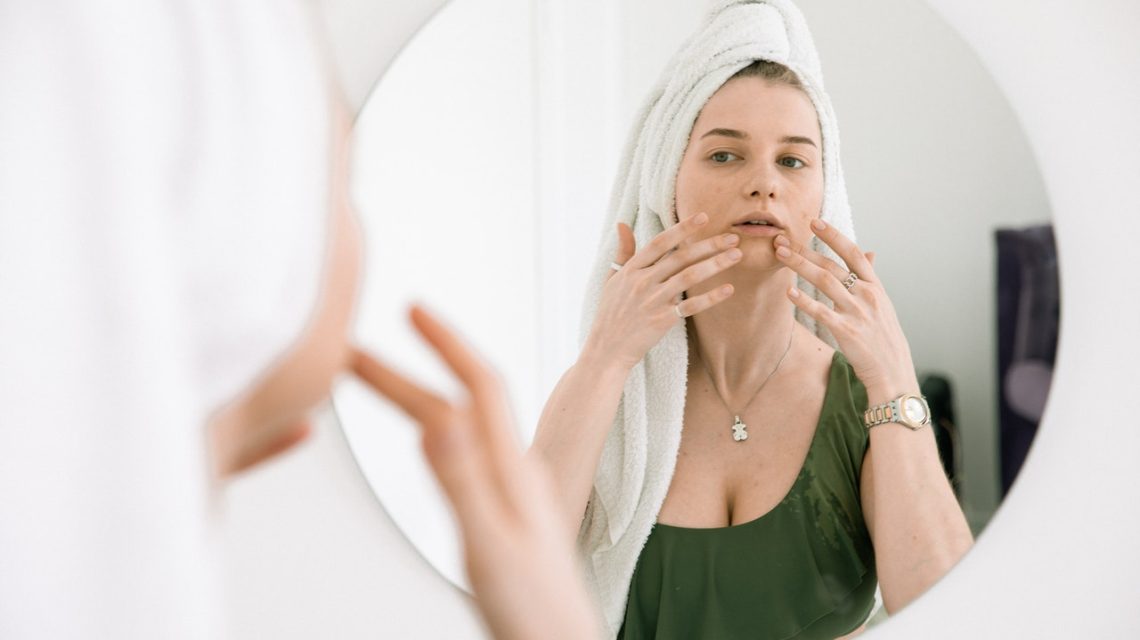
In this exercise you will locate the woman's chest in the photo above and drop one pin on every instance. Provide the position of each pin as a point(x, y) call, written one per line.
point(721, 481)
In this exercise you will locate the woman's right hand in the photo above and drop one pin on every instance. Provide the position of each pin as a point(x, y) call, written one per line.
point(635, 310)
point(642, 301)
point(519, 554)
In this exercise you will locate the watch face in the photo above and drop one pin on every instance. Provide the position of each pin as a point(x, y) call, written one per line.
point(915, 410)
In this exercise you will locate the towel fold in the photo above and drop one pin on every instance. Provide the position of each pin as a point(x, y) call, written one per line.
point(637, 461)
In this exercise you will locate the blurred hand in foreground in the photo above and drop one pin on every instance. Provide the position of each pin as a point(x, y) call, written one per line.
point(518, 555)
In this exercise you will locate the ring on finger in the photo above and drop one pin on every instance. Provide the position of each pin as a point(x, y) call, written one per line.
point(615, 266)
point(850, 280)
point(677, 310)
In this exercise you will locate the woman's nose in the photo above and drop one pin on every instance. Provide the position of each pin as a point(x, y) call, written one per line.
point(763, 183)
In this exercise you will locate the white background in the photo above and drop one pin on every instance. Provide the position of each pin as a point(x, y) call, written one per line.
point(315, 556)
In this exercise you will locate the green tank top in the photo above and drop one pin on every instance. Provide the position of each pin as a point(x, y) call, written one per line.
point(804, 570)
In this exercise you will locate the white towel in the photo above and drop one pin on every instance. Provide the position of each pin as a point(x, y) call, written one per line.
point(641, 448)
point(164, 176)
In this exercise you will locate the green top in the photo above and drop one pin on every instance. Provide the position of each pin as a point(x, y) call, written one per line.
point(804, 570)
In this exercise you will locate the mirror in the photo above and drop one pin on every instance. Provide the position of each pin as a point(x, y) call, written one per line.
point(485, 160)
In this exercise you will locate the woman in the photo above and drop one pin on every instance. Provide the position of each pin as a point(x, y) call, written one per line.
point(719, 465)
point(180, 264)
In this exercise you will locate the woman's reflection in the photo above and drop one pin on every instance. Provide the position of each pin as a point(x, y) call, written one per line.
point(714, 448)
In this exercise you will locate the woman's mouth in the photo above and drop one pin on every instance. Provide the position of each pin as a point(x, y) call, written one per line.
point(756, 229)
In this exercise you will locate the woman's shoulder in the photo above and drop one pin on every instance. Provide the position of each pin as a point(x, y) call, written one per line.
point(843, 375)
point(841, 440)
point(814, 354)
point(845, 404)
point(827, 370)
point(844, 393)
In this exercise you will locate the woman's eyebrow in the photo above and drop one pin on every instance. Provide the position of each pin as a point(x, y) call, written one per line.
point(728, 133)
point(741, 135)
point(797, 140)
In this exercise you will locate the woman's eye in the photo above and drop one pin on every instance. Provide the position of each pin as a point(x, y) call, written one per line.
point(792, 163)
point(721, 157)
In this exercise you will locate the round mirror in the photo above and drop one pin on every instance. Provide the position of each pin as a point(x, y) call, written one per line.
point(485, 159)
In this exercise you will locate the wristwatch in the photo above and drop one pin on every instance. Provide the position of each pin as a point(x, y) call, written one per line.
point(909, 410)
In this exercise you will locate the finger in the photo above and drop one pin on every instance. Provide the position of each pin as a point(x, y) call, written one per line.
point(692, 253)
point(700, 272)
point(816, 309)
point(696, 304)
point(492, 413)
point(844, 248)
point(820, 277)
point(870, 258)
point(464, 471)
point(467, 365)
point(627, 245)
point(815, 257)
point(421, 405)
point(667, 240)
point(494, 422)
point(453, 454)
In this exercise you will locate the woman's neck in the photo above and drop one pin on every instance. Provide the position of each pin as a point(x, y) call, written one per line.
point(740, 340)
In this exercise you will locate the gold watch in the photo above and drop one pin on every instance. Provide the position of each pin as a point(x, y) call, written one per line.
point(909, 410)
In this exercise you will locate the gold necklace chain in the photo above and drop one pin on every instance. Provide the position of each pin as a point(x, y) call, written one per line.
point(739, 429)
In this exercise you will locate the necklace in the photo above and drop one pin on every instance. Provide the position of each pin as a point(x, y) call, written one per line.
point(739, 432)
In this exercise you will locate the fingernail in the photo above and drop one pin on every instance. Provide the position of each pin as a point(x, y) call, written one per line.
point(731, 239)
point(783, 252)
point(726, 289)
point(781, 240)
point(701, 218)
point(794, 292)
point(818, 225)
point(733, 254)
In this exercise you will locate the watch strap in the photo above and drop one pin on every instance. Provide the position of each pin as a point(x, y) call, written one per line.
point(881, 414)
point(893, 412)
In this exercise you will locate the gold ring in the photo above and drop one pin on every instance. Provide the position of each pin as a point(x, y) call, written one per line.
point(849, 281)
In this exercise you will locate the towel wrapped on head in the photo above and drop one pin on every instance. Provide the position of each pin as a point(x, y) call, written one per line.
point(640, 452)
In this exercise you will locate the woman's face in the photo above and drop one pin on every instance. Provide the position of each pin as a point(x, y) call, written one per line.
point(754, 155)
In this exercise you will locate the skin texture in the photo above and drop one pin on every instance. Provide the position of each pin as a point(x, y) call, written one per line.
point(755, 152)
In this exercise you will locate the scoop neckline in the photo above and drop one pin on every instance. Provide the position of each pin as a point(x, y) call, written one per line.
point(835, 357)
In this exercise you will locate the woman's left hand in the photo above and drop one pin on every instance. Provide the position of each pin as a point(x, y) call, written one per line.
point(863, 320)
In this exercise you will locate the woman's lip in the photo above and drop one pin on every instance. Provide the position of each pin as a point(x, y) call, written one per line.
point(763, 230)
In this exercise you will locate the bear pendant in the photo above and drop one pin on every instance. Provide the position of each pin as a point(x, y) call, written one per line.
point(738, 430)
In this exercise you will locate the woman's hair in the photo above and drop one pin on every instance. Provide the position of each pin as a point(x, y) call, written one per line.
point(771, 71)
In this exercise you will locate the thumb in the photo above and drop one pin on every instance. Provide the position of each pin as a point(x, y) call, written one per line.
point(626, 244)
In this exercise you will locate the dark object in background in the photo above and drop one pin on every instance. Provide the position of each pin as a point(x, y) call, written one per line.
point(1029, 310)
point(939, 395)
